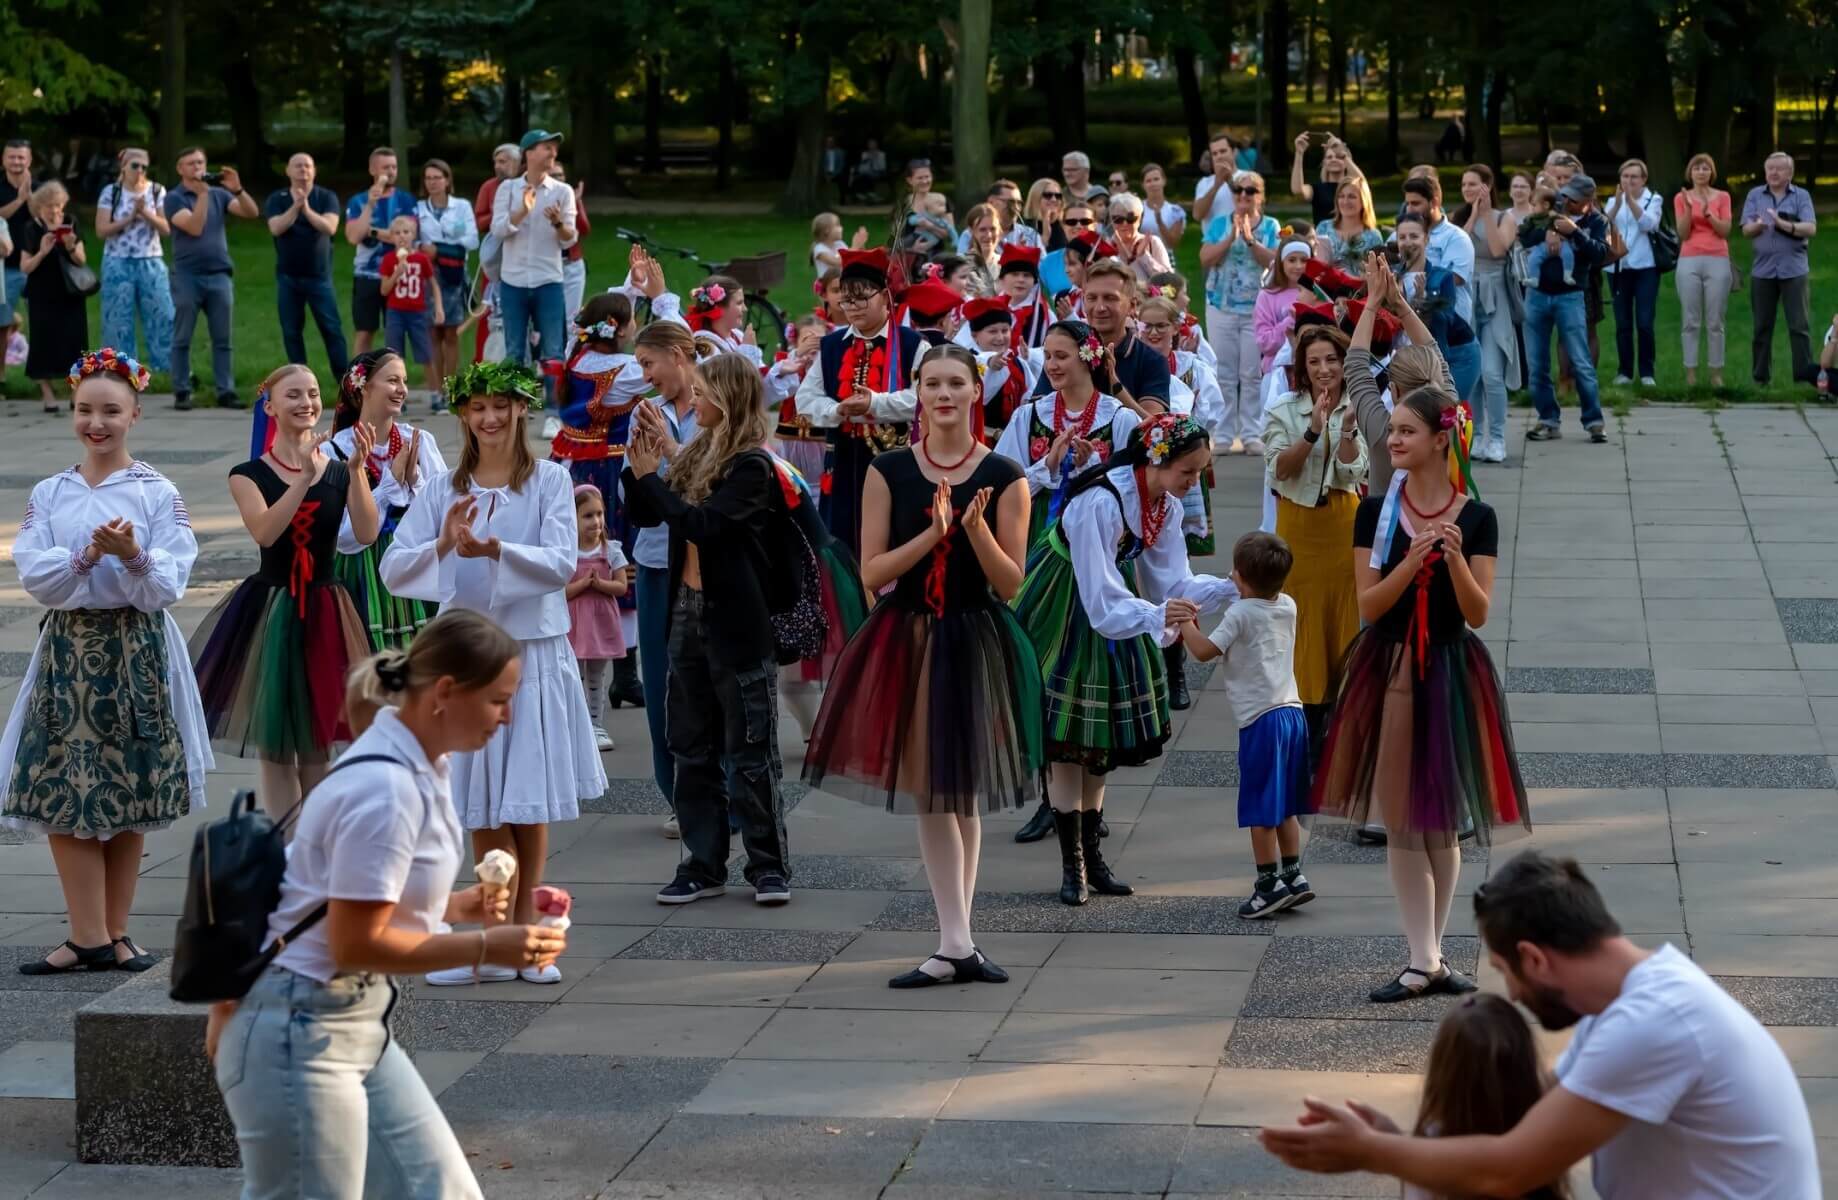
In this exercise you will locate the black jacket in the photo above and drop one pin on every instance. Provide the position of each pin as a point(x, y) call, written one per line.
point(729, 531)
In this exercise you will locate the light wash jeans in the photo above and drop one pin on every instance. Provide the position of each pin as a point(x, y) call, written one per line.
point(137, 287)
point(1241, 376)
point(542, 307)
point(326, 1105)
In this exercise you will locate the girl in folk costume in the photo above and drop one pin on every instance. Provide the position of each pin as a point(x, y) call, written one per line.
point(401, 460)
point(601, 386)
point(1191, 336)
point(935, 704)
point(1008, 371)
point(1160, 325)
point(1085, 248)
point(1420, 738)
point(932, 308)
point(1019, 284)
point(1107, 587)
point(795, 440)
point(107, 738)
point(496, 535)
point(718, 317)
point(272, 656)
point(870, 356)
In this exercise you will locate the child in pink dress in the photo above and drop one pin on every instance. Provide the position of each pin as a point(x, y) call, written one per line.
point(593, 603)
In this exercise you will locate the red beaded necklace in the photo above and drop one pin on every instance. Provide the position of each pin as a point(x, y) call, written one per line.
point(1152, 519)
point(926, 453)
point(1420, 514)
point(1085, 419)
point(276, 460)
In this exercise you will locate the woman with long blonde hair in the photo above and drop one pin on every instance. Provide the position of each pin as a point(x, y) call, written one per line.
point(722, 703)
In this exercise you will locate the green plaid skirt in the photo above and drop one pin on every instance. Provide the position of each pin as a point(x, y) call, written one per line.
point(1106, 701)
point(391, 621)
point(100, 752)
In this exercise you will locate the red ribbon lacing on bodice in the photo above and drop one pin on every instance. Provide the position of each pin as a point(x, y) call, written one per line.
point(935, 573)
point(1417, 637)
point(300, 575)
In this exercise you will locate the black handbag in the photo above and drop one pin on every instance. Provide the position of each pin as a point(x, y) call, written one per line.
point(79, 280)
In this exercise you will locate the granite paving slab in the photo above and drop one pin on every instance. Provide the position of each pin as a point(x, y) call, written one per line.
point(789, 1153)
point(646, 1030)
point(740, 945)
point(836, 871)
point(828, 1088)
point(1073, 1093)
point(1220, 1162)
point(1199, 768)
point(1786, 1001)
point(904, 1035)
point(12, 957)
point(1305, 976)
point(1009, 1157)
point(1809, 619)
point(1117, 1039)
point(1387, 1047)
point(1032, 912)
point(39, 1016)
point(13, 663)
point(1332, 841)
point(537, 1086)
point(87, 1181)
point(1541, 770)
point(629, 796)
point(423, 1024)
point(1604, 681)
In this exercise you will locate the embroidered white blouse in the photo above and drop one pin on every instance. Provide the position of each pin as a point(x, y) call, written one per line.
point(1094, 523)
point(1042, 475)
point(388, 490)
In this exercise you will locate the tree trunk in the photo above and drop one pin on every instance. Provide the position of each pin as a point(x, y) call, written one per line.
point(1075, 81)
point(807, 89)
point(1394, 141)
point(1308, 53)
point(516, 107)
point(1193, 101)
point(1764, 121)
point(1822, 122)
point(1337, 66)
point(172, 84)
point(398, 105)
point(591, 136)
point(1490, 145)
point(1276, 68)
point(354, 105)
point(725, 88)
point(1713, 98)
point(1474, 114)
point(972, 161)
point(245, 100)
point(654, 113)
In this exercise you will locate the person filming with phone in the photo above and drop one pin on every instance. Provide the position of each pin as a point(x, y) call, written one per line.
point(202, 271)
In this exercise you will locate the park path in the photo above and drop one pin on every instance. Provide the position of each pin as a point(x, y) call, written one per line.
point(1667, 619)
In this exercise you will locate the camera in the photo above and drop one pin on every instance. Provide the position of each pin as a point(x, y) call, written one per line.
point(213, 177)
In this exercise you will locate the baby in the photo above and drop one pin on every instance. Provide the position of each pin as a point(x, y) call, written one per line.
point(932, 228)
point(1544, 212)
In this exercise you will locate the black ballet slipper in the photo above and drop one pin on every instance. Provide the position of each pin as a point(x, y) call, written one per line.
point(88, 958)
point(1450, 982)
point(139, 960)
point(1398, 990)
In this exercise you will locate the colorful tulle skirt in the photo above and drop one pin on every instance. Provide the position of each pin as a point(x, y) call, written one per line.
point(1106, 702)
point(1424, 749)
point(929, 714)
point(845, 603)
point(391, 621)
point(271, 670)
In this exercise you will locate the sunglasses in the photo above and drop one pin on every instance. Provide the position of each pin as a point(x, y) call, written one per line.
point(134, 166)
point(1124, 219)
point(1246, 191)
point(1052, 195)
point(1079, 222)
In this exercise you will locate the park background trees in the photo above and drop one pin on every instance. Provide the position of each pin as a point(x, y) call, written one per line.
point(741, 96)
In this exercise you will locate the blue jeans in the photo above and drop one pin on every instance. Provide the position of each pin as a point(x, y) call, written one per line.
point(1564, 310)
point(654, 671)
point(294, 295)
point(539, 306)
point(326, 1105)
point(137, 287)
point(1636, 295)
point(12, 299)
point(1464, 367)
point(216, 295)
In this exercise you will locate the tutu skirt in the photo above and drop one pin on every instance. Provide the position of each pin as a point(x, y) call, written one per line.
point(1426, 751)
point(845, 603)
point(1273, 768)
point(1106, 701)
point(929, 714)
point(271, 670)
point(540, 766)
point(390, 620)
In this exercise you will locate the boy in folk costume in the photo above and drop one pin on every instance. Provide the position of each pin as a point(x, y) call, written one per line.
point(931, 306)
point(869, 355)
point(1008, 372)
point(1019, 282)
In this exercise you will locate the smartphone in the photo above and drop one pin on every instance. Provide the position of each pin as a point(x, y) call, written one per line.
point(213, 177)
point(61, 230)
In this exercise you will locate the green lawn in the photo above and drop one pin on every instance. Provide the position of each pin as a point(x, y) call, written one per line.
point(717, 239)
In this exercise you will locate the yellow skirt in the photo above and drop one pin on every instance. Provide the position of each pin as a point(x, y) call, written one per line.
point(1321, 583)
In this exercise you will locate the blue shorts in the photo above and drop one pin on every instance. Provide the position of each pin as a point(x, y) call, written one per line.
point(1273, 768)
point(410, 327)
point(12, 299)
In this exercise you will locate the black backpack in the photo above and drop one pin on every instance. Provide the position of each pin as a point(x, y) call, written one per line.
point(232, 889)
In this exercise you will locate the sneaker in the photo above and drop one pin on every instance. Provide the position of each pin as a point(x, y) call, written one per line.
point(1543, 433)
point(1300, 892)
point(688, 891)
point(1496, 451)
point(1622, 381)
point(548, 974)
point(1648, 381)
point(182, 401)
point(1265, 904)
point(602, 739)
point(230, 400)
point(770, 889)
point(459, 976)
point(671, 829)
point(1254, 447)
point(1597, 434)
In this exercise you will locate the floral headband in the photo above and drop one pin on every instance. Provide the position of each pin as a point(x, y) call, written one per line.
point(109, 360)
point(1091, 351)
point(711, 296)
point(1162, 431)
point(1167, 291)
point(599, 331)
point(494, 379)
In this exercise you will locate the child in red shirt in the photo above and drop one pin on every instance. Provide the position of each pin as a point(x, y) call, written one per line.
point(408, 294)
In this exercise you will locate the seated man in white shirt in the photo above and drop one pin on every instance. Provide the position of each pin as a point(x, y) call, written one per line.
point(1671, 1084)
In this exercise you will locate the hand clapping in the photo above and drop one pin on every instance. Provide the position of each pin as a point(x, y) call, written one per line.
point(941, 510)
point(973, 519)
point(114, 538)
point(642, 454)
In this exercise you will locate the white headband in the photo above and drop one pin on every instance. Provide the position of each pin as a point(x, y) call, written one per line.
point(1296, 248)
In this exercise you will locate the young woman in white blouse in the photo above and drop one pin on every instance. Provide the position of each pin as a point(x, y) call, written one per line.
point(447, 225)
point(107, 740)
point(325, 1102)
point(496, 535)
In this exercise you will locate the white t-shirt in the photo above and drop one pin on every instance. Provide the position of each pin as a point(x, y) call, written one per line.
point(1159, 220)
point(833, 249)
point(373, 831)
point(1258, 638)
point(1717, 1113)
point(1451, 249)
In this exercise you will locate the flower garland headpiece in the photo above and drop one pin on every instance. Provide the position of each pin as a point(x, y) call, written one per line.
point(1167, 291)
point(494, 379)
point(599, 331)
point(1092, 351)
point(111, 361)
point(1162, 431)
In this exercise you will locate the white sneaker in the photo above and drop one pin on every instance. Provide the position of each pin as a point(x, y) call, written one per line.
point(1648, 381)
point(459, 976)
point(550, 427)
point(1493, 452)
point(602, 739)
point(671, 830)
point(1254, 447)
point(1622, 380)
point(548, 974)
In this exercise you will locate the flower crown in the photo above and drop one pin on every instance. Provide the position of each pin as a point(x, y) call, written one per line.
point(1167, 291)
point(1091, 350)
point(113, 362)
point(599, 331)
point(711, 296)
point(494, 379)
point(1162, 431)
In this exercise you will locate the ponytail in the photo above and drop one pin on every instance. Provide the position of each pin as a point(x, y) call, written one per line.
point(463, 646)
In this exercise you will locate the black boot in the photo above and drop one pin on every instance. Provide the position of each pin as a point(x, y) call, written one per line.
point(1175, 657)
point(626, 689)
point(1071, 857)
point(1037, 825)
point(1097, 871)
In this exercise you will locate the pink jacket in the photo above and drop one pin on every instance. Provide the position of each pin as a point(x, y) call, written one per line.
point(1271, 320)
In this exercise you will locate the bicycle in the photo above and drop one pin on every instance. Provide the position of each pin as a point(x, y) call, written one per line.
point(771, 327)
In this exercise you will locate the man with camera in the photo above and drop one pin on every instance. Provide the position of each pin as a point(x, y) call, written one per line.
point(202, 270)
point(1778, 217)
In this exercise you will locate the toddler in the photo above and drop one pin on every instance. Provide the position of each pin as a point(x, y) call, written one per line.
point(1257, 638)
point(932, 227)
point(1544, 211)
point(593, 595)
point(826, 242)
point(408, 295)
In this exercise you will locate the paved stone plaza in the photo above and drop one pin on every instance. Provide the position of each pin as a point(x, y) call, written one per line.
point(1667, 619)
